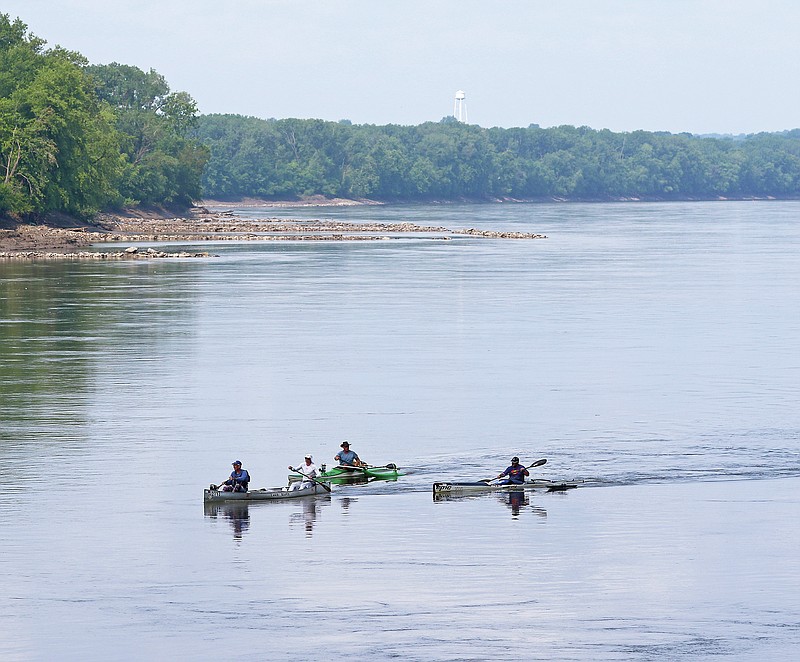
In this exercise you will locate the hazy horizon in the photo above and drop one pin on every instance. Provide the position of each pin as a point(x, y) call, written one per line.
point(696, 66)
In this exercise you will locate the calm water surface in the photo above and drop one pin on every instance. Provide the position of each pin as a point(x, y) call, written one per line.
point(649, 349)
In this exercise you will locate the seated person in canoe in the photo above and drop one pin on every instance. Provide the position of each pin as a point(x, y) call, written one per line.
point(516, 473)
point(238, 480)
point(346, 457)
point(309, 472)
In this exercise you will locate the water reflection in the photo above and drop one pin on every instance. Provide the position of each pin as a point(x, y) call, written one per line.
point(517, 501)
point(306, 510)
point(237, 514)
point(310, 512)
point(63, 325)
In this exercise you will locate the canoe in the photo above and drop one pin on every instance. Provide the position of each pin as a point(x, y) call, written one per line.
point(264, 494)
point(480, 486)
point(347, 474)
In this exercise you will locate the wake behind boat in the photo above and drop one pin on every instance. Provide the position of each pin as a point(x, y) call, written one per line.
point(264, 494)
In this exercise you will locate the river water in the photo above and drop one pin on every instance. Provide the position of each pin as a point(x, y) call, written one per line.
point(648, 349)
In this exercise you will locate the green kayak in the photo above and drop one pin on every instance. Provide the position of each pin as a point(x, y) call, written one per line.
point(346, 474)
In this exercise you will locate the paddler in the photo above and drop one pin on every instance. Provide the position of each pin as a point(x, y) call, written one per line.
point(346, 457)
point(238, 480)
point(308, 470)
point(516, 473)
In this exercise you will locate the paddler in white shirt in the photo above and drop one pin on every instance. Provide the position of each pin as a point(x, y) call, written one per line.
point(308, 470)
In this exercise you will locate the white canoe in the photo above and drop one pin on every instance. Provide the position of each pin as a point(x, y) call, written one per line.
point(264, 494)
point(482, 486)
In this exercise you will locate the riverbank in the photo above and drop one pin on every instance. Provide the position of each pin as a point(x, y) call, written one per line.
point(64, 237)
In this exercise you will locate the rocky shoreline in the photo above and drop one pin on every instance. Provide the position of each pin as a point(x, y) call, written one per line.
point(54, 241)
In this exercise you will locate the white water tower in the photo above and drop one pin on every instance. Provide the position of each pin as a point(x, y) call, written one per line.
point(460, 107)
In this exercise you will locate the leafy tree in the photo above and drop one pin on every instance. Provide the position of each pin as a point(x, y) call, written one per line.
point(161, 164)
point(57, 147)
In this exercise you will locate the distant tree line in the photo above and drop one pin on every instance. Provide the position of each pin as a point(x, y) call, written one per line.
point(76, 138)
point(449, 160)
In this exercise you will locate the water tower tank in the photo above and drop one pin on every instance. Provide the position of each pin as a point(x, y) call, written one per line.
point(460, 106)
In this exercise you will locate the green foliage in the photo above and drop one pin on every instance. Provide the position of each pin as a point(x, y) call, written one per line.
point(57, 147)
point(76, 138)
point(448, 160)
point(161, 164)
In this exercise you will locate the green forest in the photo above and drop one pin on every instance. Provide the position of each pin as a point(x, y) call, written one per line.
point(77, 138)
point(448, 160)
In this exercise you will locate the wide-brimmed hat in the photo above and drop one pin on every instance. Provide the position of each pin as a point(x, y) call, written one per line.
point(308, 456)
point(345, 443)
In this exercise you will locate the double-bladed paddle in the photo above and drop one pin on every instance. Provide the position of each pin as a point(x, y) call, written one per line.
point(538, 463)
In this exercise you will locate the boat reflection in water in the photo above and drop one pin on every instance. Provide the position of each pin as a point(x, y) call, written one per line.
point(304, 510)
point(310, 510)
point(518, 501)
point(236, 513)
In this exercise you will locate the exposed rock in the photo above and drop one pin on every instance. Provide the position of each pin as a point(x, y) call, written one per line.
point(98, 255)
point(26, 241)
point(500, 235)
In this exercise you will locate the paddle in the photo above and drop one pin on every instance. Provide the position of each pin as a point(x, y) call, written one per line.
point(324, 486)
point(538, 463)
point(351, 467)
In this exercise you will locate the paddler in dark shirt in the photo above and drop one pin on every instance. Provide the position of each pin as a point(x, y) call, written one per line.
point(516, 473)
point(239, 479)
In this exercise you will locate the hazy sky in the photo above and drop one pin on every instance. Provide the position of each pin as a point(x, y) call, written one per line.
point(704, 66)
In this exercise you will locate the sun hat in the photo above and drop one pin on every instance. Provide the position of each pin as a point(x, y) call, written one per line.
point(345, 443)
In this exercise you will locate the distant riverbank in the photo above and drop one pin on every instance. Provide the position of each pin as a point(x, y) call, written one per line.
point(213, 220)
point(322, 201)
